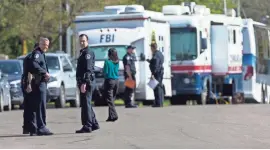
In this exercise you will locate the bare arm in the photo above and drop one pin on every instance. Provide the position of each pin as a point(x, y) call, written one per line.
point(128, 70)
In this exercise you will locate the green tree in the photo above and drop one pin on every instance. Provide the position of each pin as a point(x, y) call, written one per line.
point(216, 6)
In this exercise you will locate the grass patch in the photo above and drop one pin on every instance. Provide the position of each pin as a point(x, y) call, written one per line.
point(121, 102)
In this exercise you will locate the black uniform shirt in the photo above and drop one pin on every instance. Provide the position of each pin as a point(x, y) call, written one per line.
point(129, 60)
point(85, 65)
point(156, 63)
point(39, 64)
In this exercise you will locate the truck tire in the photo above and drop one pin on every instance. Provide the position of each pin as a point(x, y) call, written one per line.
point(266, 95)
point(203, 98)
point(61, 101)
point(99, 99)
point(148, 102)
point(178, 100)
point(263, 95)
point(1, 102)
point(8, 108)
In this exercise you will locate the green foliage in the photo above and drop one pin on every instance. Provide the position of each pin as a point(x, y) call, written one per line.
point(216, 6)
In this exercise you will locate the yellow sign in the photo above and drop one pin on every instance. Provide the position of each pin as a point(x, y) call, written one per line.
point(153, 40)
point(24, 47)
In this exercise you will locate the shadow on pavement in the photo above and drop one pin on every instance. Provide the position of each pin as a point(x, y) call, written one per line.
point(14, 135)
point(27, 135)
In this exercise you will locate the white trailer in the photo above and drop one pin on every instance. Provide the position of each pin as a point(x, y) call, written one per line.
point(120, 26)
point(256, 62)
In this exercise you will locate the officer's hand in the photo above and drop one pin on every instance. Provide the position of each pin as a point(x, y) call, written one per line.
point(83, 88)
point(28, 89)
point(47, 75)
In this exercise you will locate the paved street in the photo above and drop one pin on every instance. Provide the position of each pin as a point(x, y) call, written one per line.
point(230, 126)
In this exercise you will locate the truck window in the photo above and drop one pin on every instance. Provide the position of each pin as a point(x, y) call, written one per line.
point(101, 52)
point(262, 47)
point(183, 44)
point(234, 37)
point(246, 42)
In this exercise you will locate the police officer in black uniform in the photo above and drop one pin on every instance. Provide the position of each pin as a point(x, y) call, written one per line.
point(29, 124)
point(86, 83)
point(129, 72)
point(157, 70)
point(41, 77)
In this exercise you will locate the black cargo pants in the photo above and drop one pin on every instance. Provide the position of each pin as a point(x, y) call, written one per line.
point(110, 91)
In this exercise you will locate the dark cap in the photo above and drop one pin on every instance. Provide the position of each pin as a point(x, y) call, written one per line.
point(131, 47)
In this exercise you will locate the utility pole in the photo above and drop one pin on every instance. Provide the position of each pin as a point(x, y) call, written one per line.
point(60, 27)
point(225, 7)
point(239, 8)
point(24, 43)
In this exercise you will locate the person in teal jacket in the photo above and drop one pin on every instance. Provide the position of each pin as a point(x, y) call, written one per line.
point(110, 71)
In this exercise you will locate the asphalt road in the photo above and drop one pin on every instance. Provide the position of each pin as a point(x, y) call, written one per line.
point(216, 126)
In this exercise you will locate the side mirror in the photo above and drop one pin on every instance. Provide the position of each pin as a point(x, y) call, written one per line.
point(142, 57)
point(66, 69)
point(204, 43)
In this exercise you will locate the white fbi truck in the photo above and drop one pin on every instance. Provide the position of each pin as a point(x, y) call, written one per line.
point(206, 53)
point(120, 26)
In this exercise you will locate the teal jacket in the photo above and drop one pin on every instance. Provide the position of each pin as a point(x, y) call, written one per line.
point(110, 69)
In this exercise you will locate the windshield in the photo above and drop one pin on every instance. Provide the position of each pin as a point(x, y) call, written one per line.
point(246, 42)
point(11, 67)
point(101, 52)
point(52, 62)
point(183, 44)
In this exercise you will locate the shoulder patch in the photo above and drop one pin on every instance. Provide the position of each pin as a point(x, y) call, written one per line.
point(87, 56)
point(36, 56)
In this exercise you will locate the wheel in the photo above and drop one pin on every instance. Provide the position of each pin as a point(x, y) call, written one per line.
point(61, 101)
point(266, 95)
point(263, 95)
point(76, 102)
point(21, 107)
point(12, 106)
point(99, 98)
point(8, 108)
point(1, 102)
point(148, 102)
point(202, 100)
point(178, 100)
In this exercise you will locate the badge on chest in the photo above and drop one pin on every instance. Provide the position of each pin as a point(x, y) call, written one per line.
point(87, 56)
point(36, 56)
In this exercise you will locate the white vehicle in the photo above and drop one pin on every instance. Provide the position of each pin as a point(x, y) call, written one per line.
point(120, 26)
point(206, 53)
point(256, 56)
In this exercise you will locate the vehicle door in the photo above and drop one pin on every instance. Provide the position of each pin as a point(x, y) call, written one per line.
point(68, 76)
